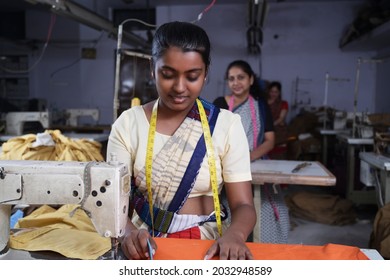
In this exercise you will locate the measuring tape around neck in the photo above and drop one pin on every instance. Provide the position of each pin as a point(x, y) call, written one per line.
point(211, 162)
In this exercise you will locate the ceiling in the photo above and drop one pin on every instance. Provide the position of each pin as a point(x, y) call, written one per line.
point(94, 12)
point(14, 5)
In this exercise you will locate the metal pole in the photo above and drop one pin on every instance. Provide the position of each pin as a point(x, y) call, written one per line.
point(326, 97)
point(117, 72)
point(359, 61)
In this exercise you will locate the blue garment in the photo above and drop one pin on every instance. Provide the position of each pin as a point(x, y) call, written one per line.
point(15, 217)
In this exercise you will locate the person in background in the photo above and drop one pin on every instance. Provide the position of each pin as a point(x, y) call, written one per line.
point(279, 110)
point(247, 101)
point(167, 146)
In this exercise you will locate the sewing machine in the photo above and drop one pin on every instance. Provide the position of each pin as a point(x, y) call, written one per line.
point(15, 121)
point(100, 188)
point(73, 115)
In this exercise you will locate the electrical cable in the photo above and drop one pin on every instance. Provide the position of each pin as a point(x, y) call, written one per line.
point(152, 25)
point(64, 67)
point(77, 60)
point(51, 25)
point(119, 54)
point(204, 11)
point(138, 20)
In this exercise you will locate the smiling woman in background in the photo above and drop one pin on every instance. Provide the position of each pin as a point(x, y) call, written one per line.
point(246, 100)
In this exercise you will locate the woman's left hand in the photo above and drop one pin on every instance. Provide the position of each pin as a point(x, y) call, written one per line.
point(229, 247)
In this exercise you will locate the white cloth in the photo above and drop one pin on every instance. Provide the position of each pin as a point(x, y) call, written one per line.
point(43, 139)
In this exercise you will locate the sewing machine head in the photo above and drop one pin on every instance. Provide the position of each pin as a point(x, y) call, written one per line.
point(339, 119)
point(15, 121)
point(101, 189)
point(72, 115)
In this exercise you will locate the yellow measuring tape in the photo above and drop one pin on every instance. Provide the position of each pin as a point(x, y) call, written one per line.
point(149, 160)
point(210, 155)
point(212, 166)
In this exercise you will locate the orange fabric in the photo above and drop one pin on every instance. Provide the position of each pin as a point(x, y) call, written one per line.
point(193, 249)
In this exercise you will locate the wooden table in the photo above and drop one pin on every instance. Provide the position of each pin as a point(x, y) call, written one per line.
point(280, 172)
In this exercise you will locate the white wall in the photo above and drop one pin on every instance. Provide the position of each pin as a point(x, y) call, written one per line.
point(306, 48)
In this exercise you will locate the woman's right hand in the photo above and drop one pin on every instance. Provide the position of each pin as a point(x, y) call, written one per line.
point(135, 244)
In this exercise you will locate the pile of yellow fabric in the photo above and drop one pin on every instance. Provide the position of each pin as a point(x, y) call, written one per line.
point(68, 231)
point(65, 149)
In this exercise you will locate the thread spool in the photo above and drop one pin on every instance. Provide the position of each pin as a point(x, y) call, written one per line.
point(135, 102)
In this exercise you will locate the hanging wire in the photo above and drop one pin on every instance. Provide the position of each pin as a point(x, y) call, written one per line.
point(51, 25)
point(138, 20)
point(119, 53)
point(153, 25)
point(77, 60)
point(64, 67)
point(204, 11)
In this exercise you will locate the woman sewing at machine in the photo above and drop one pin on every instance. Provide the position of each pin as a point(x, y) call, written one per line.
point(167, 144)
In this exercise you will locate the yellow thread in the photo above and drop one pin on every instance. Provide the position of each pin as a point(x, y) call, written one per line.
point(135, 102)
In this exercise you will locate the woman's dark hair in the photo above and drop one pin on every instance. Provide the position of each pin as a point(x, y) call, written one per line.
point(184, 35)
point(255, 89)
point(276, 84)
